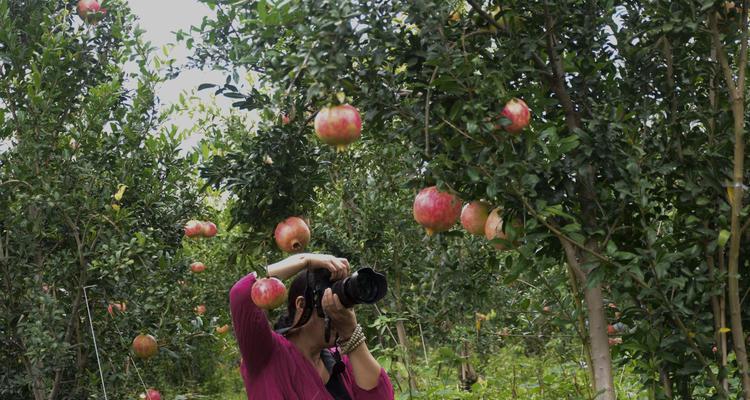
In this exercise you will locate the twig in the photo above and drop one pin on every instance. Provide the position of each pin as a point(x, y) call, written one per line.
point(462, 132)
point(427, 113)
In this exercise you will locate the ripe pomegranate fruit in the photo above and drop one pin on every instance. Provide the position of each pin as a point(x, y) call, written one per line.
point(152, 394)
point(193, 228)
point(90, 11)
point(518, 113)
point(120, 307)
point(268, 293)
point(494, 228)
point(285, 119)
point(208, 229)
point(292, 235)
point(144, 346)
point(200, 309)
point(222, 329)
point(611, 330)
point(338, 126)
point(197, 267)
point(474, 216)
point(436, 211)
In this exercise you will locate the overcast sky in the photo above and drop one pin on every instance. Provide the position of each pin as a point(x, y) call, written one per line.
point(160, 19)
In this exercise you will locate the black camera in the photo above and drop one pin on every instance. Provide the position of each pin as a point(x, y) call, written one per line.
point(363, 287)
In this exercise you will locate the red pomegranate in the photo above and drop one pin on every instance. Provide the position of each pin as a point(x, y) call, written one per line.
point(200, 309)
point(120, 307)
point(518, 113)
point(193, 228)
point(222, 329)
point(153, 394)
point(144, 346)
point(494, 228)
point(436, 211)
point(90, 10)
point(268, 293)
point(285, 119)
point(292, 235)
point(611, 330)
point(474, 216)
point(208, 229)
point(197, 267)
point(338, 126)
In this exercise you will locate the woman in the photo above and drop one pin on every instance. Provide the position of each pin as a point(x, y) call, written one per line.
point(299, 364)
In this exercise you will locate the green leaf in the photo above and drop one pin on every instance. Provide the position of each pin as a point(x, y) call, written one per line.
point(724, 237)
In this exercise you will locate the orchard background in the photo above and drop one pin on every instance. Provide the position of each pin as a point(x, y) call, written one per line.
point(622, 272)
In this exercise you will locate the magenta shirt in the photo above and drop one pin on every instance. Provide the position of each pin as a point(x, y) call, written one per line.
point(273, 368)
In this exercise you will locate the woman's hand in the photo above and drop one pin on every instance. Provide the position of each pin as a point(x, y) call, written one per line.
point(339, 267)
point(343, 319)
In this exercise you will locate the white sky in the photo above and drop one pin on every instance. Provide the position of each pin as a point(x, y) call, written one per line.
point(160, 19)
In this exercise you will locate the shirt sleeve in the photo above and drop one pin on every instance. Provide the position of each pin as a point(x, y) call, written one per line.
point(383, 391)
point(251, 327)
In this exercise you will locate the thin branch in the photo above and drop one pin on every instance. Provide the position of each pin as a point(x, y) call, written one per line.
point(427, 113)
point(743, 52)
point(558, 72)
point(459, 130)
point(722, 55)
point(486, 16)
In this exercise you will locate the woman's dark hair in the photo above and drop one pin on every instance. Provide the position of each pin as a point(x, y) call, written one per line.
point(298, 287)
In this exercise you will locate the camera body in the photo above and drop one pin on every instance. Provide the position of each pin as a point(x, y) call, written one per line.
point(363, 287)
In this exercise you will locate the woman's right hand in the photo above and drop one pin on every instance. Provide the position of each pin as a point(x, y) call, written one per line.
point(339, 267)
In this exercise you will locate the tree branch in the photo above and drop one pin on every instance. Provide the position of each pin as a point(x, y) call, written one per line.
point(721, 55)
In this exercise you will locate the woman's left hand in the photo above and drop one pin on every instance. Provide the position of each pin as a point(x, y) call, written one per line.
point(343, 319)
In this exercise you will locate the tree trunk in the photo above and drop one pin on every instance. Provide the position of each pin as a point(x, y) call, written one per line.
point(601, 359)
point(575, 291)
point(736, 89)
point(666, 383)
point(466, 374)
point(403, 340)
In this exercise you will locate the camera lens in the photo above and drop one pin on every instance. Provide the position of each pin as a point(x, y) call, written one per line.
point(364, 286)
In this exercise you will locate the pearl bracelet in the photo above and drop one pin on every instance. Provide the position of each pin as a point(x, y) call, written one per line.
point(357, 338)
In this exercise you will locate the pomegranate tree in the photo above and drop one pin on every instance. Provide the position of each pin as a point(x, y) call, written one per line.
point(268, 293)
point(338, 126)
point(292, 235)
point(145, 346)
point(474, 216)
point(200, 309)
point(197, 267)
point(436, 211)
point(518, 113)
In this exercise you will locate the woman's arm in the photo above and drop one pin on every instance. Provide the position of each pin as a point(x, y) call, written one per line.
point(292, 265)
point(251, 327)
point(367, 371)
point(365, 367)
